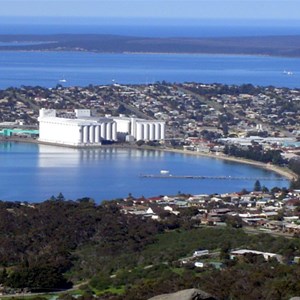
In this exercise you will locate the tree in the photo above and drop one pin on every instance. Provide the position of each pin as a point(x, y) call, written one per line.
point(140, 143)
point(101, 281)
point(121, 109)
point(60, 197)
point(257, 186)
point(3, 276)
point(234, 221)
point(225, 251)
point(38, 278)
point(244, 192)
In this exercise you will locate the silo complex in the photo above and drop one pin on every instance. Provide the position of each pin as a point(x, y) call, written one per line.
point(85, 130)
point(140, 129)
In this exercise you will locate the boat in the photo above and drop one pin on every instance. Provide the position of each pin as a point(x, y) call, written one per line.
point(288, 73)
point(63, 80)
point(164, 172)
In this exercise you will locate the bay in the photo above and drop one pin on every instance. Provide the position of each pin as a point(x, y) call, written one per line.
point(32, 172)
point(83, 68)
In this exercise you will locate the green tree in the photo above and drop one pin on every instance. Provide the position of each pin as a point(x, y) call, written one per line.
point(257, 186)
point(225, 251)
point(101, 281)
point(60, 197)
point(3, 276)
point(234, 221)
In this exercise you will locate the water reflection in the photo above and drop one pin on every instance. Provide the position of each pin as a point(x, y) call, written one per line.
point(39, 171)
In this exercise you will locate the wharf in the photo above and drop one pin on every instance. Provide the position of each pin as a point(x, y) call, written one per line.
point(169, 176)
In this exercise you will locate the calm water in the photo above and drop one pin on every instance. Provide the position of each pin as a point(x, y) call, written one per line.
point(47, 68)
point(36, 172)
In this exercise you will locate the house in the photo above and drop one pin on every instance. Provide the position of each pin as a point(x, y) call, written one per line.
point(243, 252)
point(199, 264)
point(200, 252)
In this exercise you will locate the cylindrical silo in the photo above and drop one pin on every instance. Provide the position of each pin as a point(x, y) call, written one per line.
point(162, 131)
point(81, 134)
point(103, 131)
point(146, 132)
point(97, 134)
point(151, 132)
point(157, 131)
point(92, 134)
point(114, 131)
point(132, 126)
point(139, 131)
point(109, 131)
point(85, 134)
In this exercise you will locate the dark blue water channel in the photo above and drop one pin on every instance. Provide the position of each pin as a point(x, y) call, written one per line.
point(34, 173)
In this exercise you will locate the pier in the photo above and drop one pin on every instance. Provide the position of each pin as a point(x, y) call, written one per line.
point(169, 176)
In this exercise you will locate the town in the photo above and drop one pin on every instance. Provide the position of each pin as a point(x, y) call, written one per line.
point(195, 114)
point(257, 124)
point(250, 122)
point(275, 211)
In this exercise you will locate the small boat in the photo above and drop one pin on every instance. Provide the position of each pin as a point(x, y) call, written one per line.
point(288, 73)
point(62, 80)
point(164, 172)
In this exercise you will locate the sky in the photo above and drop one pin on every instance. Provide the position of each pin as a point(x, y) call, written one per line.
point(283, 10)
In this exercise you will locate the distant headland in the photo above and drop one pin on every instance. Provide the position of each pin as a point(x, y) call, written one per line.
point(288, 46)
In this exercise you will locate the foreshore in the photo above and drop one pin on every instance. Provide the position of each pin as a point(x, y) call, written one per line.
point(285, 172)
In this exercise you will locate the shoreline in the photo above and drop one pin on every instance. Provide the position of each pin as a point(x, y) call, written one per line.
point(151, 52)
point(289, 174)
point(285, 172)
point(267, 44)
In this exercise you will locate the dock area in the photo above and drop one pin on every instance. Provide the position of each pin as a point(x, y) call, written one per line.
point(170, 176)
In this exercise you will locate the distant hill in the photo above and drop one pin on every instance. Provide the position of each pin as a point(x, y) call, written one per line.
point(268, 45)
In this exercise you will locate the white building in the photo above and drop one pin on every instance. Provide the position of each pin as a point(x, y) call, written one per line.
point(140, 129)
point(266, 255)
point(85, 130)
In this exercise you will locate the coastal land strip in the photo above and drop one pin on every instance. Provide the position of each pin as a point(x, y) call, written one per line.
point(264, 45)
point(283, 171)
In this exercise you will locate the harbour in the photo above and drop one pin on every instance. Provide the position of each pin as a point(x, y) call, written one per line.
point(39, 171)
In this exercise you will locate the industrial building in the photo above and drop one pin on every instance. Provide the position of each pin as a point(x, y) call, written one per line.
point(86, 130)
point(140, 129)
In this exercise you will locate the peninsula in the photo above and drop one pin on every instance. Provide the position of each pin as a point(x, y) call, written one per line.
point(266, 45)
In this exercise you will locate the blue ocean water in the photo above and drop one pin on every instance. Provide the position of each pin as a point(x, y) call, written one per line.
point(34, 173)
point(46, 69)
point(83, 68)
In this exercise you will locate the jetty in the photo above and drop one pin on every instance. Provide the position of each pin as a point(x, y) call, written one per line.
point(170, 176)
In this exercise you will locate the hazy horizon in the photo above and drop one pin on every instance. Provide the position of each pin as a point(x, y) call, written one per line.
point(151, 27)
point(167, 9)
point(149, 21)
point(95, 16)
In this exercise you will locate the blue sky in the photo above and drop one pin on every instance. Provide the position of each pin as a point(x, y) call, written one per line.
point(164, 9)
